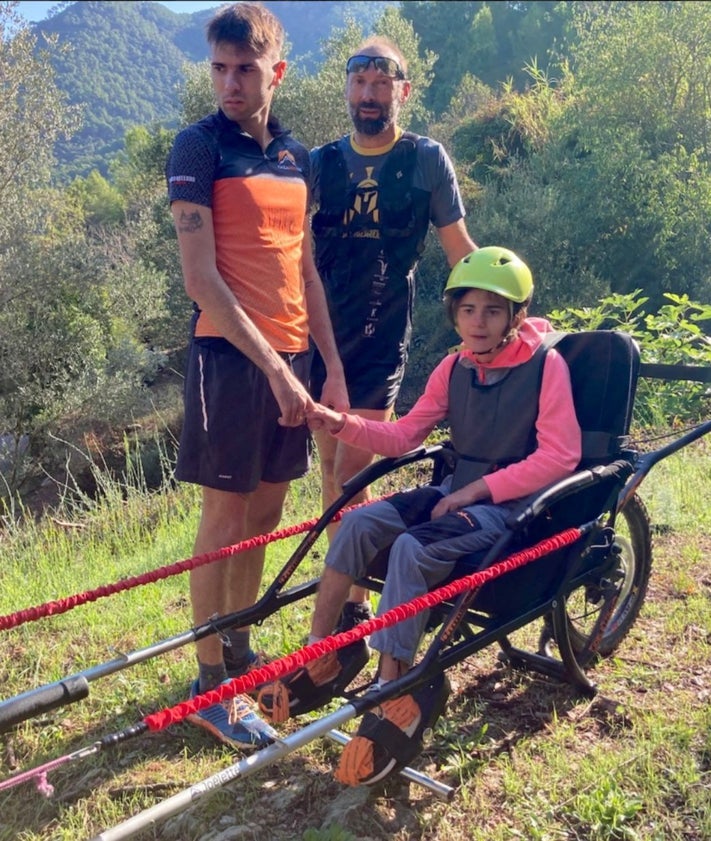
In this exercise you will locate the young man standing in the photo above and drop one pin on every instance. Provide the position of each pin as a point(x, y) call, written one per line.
point(237, 184)
point(376, 190)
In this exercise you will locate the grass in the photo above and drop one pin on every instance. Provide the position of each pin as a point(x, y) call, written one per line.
point(528, 758)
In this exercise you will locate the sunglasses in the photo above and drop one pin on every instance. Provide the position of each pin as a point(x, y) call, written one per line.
point(388, 66)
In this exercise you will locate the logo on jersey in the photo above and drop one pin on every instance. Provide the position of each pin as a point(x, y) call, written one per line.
point(286, 160)
point(366, 200)
point(181, 179)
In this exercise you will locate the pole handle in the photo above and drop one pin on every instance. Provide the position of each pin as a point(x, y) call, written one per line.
point(38, 701)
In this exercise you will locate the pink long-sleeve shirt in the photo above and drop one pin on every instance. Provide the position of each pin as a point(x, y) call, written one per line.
point(558, 433)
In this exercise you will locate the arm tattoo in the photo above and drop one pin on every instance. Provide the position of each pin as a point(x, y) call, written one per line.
point(190, 222)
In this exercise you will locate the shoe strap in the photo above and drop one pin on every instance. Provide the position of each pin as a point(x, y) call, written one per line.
point(382, 731)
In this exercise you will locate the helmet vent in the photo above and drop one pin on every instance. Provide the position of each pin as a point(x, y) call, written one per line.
point(493, 269)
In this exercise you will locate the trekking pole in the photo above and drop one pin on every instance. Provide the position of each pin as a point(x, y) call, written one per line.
point(75, 687)
point(249, 765)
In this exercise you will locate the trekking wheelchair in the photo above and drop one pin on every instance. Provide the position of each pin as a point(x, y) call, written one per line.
point(586, 594)
point(585, 591)
point(589, 593)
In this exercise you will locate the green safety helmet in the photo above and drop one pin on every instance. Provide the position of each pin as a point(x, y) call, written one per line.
point(495, 269)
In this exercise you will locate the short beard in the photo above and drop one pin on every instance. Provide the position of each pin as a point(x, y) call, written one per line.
point(371, 127)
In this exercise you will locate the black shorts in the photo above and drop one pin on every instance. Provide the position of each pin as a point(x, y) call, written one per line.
point(372, 384)
point(231, 439)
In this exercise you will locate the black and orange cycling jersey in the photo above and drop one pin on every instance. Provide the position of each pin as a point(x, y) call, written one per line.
point(258, 201)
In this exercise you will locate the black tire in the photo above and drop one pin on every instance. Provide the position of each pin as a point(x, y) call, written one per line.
point(628, 582)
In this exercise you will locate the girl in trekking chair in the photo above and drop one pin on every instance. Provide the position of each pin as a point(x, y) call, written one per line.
point(513, 427)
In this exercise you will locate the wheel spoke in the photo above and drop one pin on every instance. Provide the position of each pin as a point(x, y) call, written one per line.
point(626, 585)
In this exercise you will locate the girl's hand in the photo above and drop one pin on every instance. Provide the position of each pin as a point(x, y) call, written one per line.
point(321, 417)
point(468, 495)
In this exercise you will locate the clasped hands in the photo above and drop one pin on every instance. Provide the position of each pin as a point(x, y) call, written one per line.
point(321, 417)
point(317, 417)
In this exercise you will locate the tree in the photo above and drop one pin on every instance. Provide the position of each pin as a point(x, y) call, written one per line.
point(600, 176)
point(196, 97)
point(149, 235)
point(509, 148)
point(100, 202)
point(493, 41)
point(76, 303)
point(33, 115)
point(640, 152)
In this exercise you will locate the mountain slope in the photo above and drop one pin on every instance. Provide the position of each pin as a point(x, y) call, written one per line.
point(125, 59)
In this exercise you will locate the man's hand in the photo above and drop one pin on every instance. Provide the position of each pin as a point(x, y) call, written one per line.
point(334, 394)
point(293, 399)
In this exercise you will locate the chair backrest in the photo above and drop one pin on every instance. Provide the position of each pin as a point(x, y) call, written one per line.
point(604, 368)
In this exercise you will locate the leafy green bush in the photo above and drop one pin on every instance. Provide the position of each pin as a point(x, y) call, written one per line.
point(675, 335)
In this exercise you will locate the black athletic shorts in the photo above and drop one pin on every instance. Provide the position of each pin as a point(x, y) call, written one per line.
point(231, 439)
point(372, 384)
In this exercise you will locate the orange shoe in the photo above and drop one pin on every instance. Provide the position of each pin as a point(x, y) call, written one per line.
point(313, 685)
point(390, 735)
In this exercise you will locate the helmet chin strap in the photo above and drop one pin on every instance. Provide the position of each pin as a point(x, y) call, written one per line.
point(485, 352)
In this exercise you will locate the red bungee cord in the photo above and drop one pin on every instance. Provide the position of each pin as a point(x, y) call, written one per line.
point(285, 665)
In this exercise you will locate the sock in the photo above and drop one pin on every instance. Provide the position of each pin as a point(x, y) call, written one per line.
point(237, 654)
point(313, 638)
point(211, 676)
point(377, 684)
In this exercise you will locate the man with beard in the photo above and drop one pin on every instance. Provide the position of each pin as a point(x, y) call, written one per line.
point(376, 191)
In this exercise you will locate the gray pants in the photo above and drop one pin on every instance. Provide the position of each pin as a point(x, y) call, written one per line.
point(423, 553)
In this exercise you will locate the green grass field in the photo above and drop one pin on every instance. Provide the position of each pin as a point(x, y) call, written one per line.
point(527, 757)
